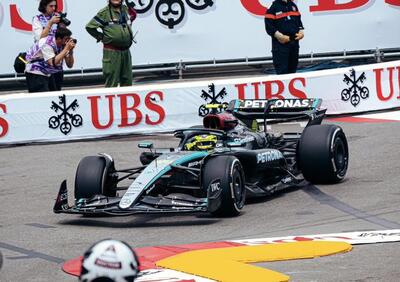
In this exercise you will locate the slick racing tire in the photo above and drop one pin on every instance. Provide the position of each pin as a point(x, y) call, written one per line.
point(323, 154)
point(92, 178)
point(223, 179)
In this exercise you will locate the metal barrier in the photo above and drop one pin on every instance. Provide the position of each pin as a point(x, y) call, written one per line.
point(180, 68)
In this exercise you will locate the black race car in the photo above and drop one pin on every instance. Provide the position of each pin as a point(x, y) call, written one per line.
point(217, 166)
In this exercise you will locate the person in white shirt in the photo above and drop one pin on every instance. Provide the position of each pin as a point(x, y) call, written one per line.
point(46, 24)
point(47, 21)
point(46, 57)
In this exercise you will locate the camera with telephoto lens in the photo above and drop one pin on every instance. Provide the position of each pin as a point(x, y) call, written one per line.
point(63, 19)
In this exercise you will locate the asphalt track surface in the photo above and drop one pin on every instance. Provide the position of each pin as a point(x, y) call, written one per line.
point(35, 242)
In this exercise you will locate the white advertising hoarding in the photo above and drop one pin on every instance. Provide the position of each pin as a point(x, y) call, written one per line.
point(80, 114)
point(208, 29)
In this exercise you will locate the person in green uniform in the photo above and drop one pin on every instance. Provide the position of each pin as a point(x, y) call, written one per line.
point(112, 26)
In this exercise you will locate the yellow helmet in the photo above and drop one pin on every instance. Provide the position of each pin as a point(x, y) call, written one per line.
point(203, 142)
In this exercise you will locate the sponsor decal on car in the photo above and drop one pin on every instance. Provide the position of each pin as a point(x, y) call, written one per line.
point(246, 139)
point(125, 202)
point(254, 104)
point(216, 186)
point(196, 163)
point(64, 197)
point(182, 203)
point(293, 103)
point(214, 189)
point(278, 104)
point(269, 156)
point(287, 180)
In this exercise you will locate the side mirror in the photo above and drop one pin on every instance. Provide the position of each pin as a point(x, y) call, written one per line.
point(146, 145)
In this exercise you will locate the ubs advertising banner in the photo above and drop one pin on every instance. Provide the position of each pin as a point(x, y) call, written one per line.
point(195, 30)
point(91, 113)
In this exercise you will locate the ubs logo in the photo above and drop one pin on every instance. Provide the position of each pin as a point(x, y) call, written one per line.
point(169, 12)
point(355, 90)
point(65, 119)
point(213, 98)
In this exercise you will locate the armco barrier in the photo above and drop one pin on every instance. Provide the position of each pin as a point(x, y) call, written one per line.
point(80, 114)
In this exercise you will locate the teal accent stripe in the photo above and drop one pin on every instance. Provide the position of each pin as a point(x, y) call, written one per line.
point(188, 158)
point(195, 155)
point(237, 105)
point(315, 103)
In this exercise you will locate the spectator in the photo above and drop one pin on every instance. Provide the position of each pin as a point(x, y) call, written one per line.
point(283, 24)
point(114, 21)
point(46, 57)
point(109, 260)
point(46, 24)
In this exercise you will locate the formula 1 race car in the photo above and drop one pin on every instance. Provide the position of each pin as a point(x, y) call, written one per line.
point(215, 167)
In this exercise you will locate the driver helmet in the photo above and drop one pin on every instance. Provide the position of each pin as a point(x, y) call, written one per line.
point(109, 260)
point(204, 142)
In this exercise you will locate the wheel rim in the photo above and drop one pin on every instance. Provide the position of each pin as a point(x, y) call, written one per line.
point(238, 193)
point(340, 156)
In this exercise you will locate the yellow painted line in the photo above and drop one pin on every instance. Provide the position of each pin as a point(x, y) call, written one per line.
point(231, 264)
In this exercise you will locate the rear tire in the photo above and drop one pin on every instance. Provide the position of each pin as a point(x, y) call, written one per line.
point(92, 178)
point(228, 172)
point(323, 154)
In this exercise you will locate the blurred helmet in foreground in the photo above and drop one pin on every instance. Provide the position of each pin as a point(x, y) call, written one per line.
point(109, 260)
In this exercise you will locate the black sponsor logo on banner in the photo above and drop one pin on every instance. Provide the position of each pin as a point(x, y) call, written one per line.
point(212, 98)
point(355, 92)
point(65, 119)
point(170, 12)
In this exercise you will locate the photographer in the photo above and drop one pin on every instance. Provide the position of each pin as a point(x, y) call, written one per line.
point(116, 35)
point(46, 57)
point(46, 24)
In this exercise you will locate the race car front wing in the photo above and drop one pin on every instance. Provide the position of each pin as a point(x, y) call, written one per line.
point(99, 204)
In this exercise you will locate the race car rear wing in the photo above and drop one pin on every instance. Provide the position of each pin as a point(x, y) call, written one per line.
point(278, 110)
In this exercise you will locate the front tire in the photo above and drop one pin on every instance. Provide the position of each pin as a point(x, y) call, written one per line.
point(323, 154)
point(223, 179)
point(92, 178)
